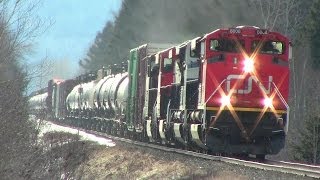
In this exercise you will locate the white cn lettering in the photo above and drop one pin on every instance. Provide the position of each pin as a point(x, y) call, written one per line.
point(248, 89)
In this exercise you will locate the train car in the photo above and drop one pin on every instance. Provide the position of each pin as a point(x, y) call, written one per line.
point(60, 91)
point(99, 102)
point(37, 104)
point(245, 89)
point(224, 92)
point(137, 70)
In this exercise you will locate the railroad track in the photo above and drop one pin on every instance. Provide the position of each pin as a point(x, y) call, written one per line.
point(270, 165)
point(302, 169)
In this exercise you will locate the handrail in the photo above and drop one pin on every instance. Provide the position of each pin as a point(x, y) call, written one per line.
point(280, 95)
point(285, 103)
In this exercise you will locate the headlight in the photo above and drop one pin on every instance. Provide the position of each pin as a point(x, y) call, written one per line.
point(267, 102)
point(225, 100)
point(248, 65)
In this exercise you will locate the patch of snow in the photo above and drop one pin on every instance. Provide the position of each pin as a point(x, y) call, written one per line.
point(49, 127)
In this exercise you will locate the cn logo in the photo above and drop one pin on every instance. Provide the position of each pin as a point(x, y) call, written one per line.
point(248, 89)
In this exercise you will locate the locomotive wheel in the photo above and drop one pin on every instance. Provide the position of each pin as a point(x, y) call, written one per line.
point(111, 128)
point(108, 128)
point(115, 128)
point(88, 124)
point(92, 124)
point(134, 135)
point(82, 123)
point(98, 126)
point(155, 131)
point(244, 155)
point(125, 131)
point(121, 131)
point(104, 126)
point(260, 157)
point(186, 135)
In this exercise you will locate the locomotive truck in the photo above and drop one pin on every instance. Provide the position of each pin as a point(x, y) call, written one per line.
point(224, 92)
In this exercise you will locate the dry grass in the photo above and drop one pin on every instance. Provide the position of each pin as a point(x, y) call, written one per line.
point(130, 163)
point(73, 159)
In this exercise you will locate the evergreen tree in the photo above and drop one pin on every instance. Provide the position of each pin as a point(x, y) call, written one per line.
point(165, 21)
point(308, 149)
point(313, 27)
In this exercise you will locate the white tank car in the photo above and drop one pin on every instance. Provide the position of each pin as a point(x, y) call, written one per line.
point(81, 97)
point(109, 93)
point(87, 97)
point(122, 95)
point(38, 102)
point(113, 91)
point(96, 94)
point(104, 91)
point(72, 100)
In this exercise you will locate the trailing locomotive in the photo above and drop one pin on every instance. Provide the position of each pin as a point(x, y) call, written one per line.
point(224, 92)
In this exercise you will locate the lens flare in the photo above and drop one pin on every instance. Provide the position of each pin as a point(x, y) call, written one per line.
point(248, 65)
point(225, 100)
point(267, 102)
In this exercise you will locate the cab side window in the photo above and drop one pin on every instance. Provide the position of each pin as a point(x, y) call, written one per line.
point(226, 45)
point(268, 47)
point(214, 45)
point(167, 65)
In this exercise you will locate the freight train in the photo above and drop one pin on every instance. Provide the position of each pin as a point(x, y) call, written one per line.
point(224, 92)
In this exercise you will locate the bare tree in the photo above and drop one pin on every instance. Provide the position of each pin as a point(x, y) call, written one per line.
point(38, 73)
point(288, 17)
point(18, 27)
point(285, 16)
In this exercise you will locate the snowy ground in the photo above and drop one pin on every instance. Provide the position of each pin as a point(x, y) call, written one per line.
point(49, 127)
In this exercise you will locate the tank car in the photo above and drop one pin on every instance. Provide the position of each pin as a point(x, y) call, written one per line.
point(38, 106)
point(99, 103)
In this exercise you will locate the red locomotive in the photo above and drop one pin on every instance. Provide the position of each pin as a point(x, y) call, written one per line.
point(224, 92)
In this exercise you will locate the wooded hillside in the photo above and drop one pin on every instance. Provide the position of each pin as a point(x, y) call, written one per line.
point(164, 21)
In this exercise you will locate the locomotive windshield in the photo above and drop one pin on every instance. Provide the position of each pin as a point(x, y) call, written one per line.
point(226, 45)
point(268, 47)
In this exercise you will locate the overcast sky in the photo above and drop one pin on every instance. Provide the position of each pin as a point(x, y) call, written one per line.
point(75, 25)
